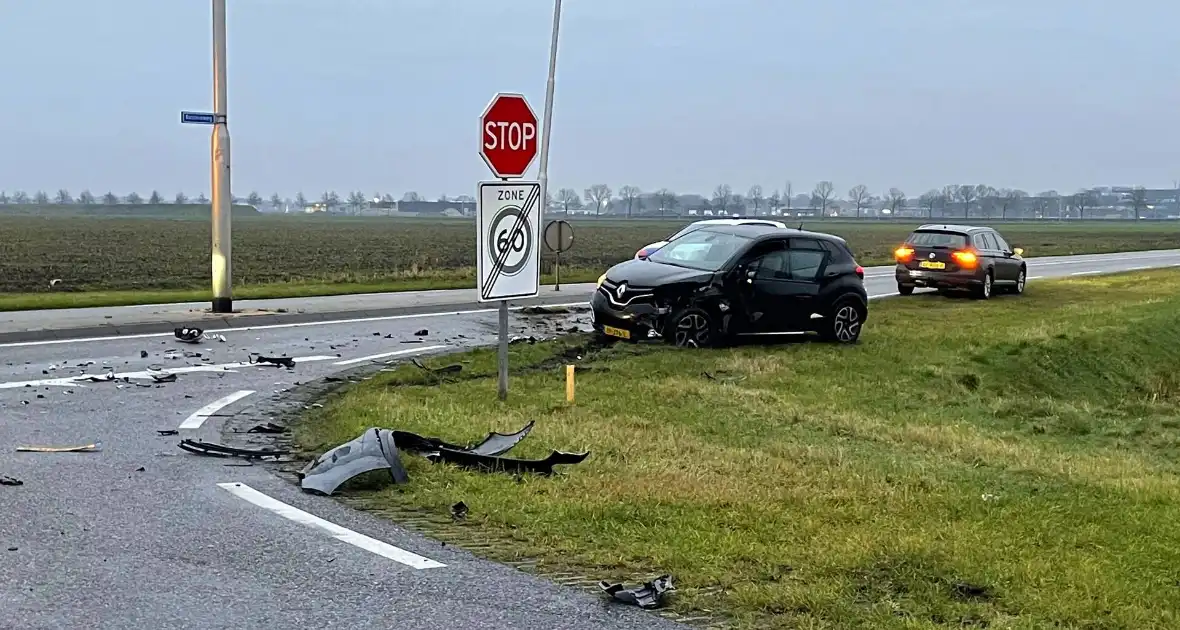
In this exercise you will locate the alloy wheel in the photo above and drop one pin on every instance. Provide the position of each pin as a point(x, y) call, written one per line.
point(1020, 282)
point(846, 324)
point(692, 330)
point(987, 286)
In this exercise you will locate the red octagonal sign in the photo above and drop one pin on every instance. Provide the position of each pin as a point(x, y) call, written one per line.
point(509, 131)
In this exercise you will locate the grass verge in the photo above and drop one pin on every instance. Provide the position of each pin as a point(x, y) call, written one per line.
point(1003, 464)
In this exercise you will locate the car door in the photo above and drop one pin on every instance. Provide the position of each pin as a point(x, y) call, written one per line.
point(808, 260)
point(1007, 257)
point(986, 251)
point(766, 289)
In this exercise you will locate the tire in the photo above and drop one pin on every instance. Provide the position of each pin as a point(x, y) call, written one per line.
point(984, 291)
point(691, 327)
point(844, 321)
point(1020, 282)
point(905, 289)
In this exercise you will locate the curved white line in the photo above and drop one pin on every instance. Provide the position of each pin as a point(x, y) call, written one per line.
point(201, 415)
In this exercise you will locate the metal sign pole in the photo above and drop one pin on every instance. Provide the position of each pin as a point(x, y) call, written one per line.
point(502, 358)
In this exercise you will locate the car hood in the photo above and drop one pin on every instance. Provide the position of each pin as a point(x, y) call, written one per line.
point(645, 273)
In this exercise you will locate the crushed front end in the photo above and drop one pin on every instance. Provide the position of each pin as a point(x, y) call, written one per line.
point(627, 312)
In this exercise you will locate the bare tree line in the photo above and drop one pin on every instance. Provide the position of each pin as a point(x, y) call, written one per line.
point(955, 200)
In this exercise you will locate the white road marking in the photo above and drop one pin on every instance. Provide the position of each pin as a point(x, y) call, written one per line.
point(201, 415)
point(1034, 277)
point(1085, 273)
point(383, 355)
point(330, 322)
point(1139, 268)
point(344, 534)
point(79, 381)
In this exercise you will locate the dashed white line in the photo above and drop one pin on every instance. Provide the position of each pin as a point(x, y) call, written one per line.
point(1034, 277)
point(1139, 268)
point(344, 534)
point(201, 415)
point(385, 355)
point(1085, 273)
point(79, 381)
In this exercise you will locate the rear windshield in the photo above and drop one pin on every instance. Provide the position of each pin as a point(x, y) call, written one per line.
point(931, 238)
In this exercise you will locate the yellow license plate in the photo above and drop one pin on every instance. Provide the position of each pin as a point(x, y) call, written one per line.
point(926, 264)
point(616, 332)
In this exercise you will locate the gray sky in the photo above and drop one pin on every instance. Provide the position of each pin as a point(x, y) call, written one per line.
point(384, 95)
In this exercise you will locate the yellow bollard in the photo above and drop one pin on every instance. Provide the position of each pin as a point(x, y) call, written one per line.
point(569, 384)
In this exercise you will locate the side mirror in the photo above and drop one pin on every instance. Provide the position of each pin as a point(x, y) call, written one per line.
point(1019, 251)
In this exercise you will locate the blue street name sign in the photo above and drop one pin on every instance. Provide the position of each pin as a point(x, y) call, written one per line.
point(198, 118)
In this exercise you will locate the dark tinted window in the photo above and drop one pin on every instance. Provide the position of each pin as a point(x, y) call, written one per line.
point(772, 266)
point(805, 243)
point(838, 254)
point(934, 238)
point(806, 263)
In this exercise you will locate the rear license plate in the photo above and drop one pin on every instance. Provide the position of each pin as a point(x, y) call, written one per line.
point(929, 264)
point(621, 333)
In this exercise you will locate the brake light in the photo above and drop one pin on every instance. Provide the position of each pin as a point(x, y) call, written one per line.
point(965, 258)
point(860, 272)
point(903, 254)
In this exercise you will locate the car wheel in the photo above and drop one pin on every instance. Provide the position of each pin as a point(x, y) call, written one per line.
point(1020, 280)
point(845, 320)
point(691, 328)
point(905, 289)
point(984, 291)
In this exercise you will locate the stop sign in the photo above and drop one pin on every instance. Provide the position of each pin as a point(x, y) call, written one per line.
point(509, 135)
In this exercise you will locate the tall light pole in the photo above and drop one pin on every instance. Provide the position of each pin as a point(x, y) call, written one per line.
point(547, 121)
point(222, 197)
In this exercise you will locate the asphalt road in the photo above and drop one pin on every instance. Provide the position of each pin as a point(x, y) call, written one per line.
point(141, 534)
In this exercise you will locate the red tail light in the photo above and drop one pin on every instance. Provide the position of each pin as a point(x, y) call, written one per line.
point(966, 258)
point(903, 254)
point(860, 272)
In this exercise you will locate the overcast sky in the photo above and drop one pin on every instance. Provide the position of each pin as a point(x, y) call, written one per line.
point(384, 95)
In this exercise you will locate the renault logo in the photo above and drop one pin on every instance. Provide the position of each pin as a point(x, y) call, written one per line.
point(621, 290)
point(931, 255)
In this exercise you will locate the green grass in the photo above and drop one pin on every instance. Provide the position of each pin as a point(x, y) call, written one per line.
point(1001, 464)
point(111, 261)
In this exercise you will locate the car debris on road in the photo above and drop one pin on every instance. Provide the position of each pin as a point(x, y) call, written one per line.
point(650, 595)
point(84, 448)
point(211, 449)
point(377, 448)
point(287, 362)
point(5, 480)
point(195, 335)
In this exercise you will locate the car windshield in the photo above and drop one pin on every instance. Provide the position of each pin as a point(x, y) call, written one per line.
point(949, 240)
point(691, 227)
point(702, 249)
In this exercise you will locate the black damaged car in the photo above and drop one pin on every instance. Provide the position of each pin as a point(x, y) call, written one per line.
point(727, 280)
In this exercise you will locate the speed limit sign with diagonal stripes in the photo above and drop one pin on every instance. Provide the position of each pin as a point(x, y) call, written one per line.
point(508, 240)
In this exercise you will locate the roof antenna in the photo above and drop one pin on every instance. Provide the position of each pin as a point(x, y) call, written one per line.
point(800, 226)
